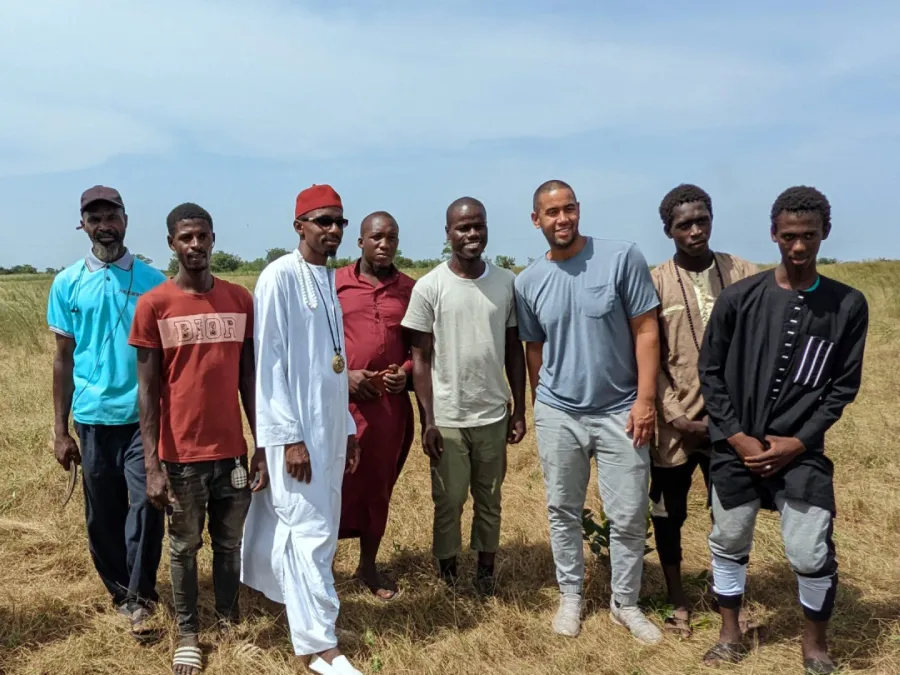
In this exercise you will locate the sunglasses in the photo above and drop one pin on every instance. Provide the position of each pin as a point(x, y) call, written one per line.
point(325, 222)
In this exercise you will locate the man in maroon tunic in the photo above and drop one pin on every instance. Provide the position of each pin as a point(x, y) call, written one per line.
point(374, 295)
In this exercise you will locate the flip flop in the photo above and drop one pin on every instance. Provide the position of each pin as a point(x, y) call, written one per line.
point(679, 625)
point(725, 652)
point(139, 618)
point(818, 667)
point(188, 655)
point(378, 591)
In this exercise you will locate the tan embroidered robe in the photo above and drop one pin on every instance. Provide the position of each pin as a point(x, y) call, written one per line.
point(678, 388)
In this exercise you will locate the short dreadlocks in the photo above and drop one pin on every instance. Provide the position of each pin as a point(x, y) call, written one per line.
point(799, 199)
point(681, 194)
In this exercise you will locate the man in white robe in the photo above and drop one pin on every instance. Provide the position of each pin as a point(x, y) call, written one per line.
point(304, 424)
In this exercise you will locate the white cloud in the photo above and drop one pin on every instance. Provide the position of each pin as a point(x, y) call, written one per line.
point(84, 81)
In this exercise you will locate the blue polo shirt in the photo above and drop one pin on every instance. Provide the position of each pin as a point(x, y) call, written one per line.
point(93, 302)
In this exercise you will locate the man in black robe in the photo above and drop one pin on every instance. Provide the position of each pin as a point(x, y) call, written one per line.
point(781, 358)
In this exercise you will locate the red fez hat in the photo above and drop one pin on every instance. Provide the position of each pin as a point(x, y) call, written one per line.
point(316, 197)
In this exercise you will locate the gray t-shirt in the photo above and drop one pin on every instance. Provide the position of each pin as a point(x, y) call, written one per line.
point(468, 319)
point(580, 309)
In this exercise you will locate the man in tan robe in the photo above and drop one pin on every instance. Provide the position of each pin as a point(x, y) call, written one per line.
point(688, 286)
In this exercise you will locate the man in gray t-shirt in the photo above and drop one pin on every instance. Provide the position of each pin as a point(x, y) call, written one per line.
point(587, 314)
point(462, 316)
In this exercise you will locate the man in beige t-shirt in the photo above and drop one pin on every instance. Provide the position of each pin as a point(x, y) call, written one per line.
point(463, 318)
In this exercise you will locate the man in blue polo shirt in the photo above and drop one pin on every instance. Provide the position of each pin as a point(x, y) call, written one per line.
point(90, 308)
point(587, 314)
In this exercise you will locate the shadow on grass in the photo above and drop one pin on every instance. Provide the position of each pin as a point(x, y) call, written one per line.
point(858, 628)
point(42, 623)
point(426, 610)
point(857, 632)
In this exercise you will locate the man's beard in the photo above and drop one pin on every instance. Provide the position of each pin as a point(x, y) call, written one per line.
point(109, 252)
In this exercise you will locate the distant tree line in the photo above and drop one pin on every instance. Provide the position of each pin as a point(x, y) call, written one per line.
point(223, 262)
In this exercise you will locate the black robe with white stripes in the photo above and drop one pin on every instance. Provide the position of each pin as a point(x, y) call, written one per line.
point(781, 363)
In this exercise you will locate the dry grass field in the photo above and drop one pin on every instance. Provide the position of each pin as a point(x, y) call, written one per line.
point(54, 619)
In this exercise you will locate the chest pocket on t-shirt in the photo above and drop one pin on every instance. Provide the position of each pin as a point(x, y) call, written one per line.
point(597, 301)
point(813, 361)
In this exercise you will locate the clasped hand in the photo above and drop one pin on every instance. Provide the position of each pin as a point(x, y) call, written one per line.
point(362, 388)
point(768, 460)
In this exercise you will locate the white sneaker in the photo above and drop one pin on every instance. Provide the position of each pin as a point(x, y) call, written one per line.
point(568, 617)
point(634, 620)
point(319, 665)
point(339, 666)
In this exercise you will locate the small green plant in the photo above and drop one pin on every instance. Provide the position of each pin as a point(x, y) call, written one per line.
point(596, 534)
point(376, 663)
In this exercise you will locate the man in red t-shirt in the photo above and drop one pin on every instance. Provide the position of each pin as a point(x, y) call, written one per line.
point(194, 335)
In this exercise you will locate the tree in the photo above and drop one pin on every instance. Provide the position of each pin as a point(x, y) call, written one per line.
point(335, 263)
point(505, 261)
point(143, 258)
point(446, 251)
point(274, 254)
point(402, 262)
point(172, 269)
point(253, 266)
point(221, 261)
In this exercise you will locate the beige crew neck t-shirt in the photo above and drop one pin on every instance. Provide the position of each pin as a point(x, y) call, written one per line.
point(468, 319)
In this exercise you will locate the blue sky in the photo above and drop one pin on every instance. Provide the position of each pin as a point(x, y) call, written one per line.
point(409, 105)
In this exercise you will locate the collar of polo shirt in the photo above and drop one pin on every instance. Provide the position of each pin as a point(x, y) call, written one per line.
point(93, 263)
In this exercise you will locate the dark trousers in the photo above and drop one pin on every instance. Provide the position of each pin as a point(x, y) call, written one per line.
point(669, 487)
point(124, 530)
point(201, 488)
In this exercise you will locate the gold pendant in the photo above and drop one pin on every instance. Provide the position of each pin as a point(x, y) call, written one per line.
point(337, 363)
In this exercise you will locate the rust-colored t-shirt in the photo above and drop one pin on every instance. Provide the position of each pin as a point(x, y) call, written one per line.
point(201, 337)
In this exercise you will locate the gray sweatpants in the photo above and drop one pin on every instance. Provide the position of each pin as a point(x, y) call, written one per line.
point(806, 531)
point(566, 444)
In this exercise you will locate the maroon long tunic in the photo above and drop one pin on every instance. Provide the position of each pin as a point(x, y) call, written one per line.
point(384, 426)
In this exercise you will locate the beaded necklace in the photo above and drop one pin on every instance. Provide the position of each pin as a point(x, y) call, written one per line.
point(687, 307)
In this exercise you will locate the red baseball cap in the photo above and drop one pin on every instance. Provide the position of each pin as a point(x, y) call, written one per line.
point(316, 197)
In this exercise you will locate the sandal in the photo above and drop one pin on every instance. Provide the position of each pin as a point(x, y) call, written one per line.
point(750, 628)
point(190, 656)
point(818, 666)
point(139, 617)
point(725, 652)
point(679, 623)
point(380, 591)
